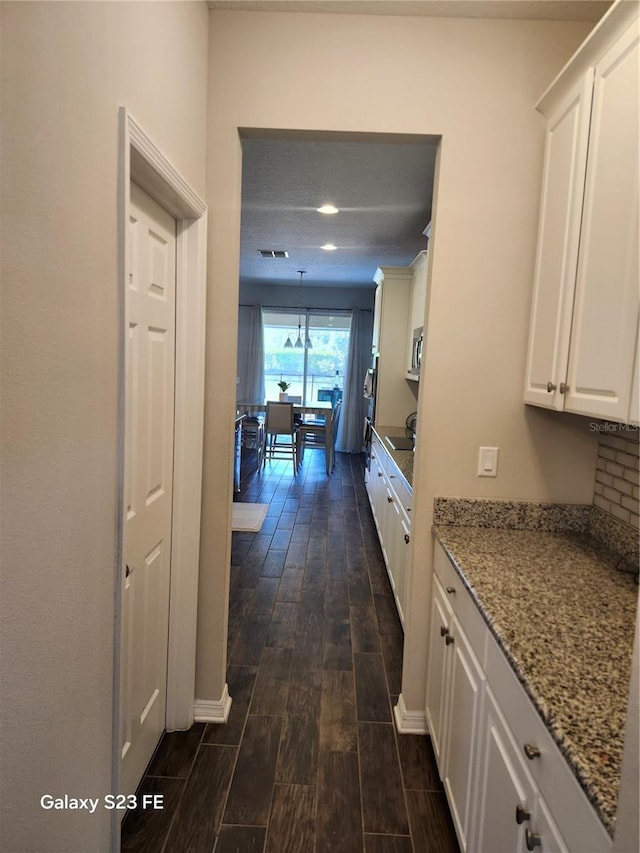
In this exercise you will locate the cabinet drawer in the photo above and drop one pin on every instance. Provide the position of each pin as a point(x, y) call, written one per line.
point(378, 452)
point(402, 490)
point(573, 813)
point(461, 603)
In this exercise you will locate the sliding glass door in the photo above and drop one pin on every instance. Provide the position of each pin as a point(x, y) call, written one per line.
point(316, 370)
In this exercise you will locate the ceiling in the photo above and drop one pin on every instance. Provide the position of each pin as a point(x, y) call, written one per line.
point(382, 189)
point(382, 186)
point(537, 10)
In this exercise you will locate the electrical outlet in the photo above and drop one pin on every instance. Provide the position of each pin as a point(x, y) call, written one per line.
point(488, 462)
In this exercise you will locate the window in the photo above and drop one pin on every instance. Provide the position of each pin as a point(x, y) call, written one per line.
point(315, 373)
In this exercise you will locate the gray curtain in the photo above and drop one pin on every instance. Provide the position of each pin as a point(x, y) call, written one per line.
point(254, 382)
point(354, 406)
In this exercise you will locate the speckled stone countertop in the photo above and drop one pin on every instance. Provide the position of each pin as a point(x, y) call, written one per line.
point(402, 458)
point(565, 618)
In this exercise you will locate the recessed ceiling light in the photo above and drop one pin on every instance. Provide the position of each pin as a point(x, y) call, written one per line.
point(329, 247)
point(327, 208)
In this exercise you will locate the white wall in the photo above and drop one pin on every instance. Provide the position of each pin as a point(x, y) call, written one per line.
point(475, 82)
point(66, 68)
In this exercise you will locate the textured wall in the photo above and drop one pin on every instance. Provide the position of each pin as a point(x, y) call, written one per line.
point(475, 83)
point(66, 69)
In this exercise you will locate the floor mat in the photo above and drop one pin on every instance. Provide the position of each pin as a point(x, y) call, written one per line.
point(248, 517)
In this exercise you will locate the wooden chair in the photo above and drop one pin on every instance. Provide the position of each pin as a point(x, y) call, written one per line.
point(312, 432)
point(253, 436)
point(279, 423)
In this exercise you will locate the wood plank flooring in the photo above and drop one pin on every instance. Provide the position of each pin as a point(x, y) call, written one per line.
point(309, 761)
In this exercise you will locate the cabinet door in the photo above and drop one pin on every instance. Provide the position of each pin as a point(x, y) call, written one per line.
point(606, 302)
point(438, 671)
point(377, 320)
point(543, 826)
point(634, 407)
point(503, 787)
point(463, 724)
point(558, 241)
point(402, 563)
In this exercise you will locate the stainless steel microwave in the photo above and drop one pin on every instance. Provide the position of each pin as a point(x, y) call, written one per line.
point(416, 351)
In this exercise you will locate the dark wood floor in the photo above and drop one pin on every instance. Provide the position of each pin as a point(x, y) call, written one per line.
point(310, 759)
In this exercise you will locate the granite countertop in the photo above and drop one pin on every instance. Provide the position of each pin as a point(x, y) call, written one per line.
point(565, 618)
point(402, 458)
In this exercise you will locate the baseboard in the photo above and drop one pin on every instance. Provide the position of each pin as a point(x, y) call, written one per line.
point(213, 710)
point(409, 722)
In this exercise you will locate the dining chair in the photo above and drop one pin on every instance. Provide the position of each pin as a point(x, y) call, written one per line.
point(279, 423)
point(253, 436)
point(313, 432)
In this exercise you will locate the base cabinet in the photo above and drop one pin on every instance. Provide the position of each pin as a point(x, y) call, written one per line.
point(390, 505)
point(512, 818)
point(453, 708)
point(508, 786)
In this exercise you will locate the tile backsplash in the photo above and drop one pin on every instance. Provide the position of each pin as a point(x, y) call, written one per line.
point(616, 489)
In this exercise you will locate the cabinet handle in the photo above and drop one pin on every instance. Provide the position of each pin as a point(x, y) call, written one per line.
point(451, 590)
point(551, 387)
point(522, 814)
point(532, 839)
point(379, 473)
point(531, 752)
point(448, 639)
point(443, 631)
point(389, 499)
point(564, 388)
point(127, 571)
point(407, 538)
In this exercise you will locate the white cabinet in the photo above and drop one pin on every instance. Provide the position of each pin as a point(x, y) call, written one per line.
point(394, 397)
point(417, 304)
point(586, 303)
point(508, 786)
point(390, 503)
point(454, 700)
point(512, 816)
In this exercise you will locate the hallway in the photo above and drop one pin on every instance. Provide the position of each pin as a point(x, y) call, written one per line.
point(309, 759)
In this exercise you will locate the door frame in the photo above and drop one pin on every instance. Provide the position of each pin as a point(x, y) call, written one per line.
point(142, 162)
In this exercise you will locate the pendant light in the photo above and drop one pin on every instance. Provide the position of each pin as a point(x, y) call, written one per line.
point(307, 340)
point(287, 343)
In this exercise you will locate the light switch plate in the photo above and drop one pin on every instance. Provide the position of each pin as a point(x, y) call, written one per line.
point(488, 462)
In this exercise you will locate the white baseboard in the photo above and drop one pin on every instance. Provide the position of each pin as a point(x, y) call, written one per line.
point(409, 722)
point(213, 710)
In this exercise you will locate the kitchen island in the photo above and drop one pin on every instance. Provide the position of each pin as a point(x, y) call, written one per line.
point(563, 615)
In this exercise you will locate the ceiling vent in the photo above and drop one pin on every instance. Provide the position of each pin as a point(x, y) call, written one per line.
point(273, 253)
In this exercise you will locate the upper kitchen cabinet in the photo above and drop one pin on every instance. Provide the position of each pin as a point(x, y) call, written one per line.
point(394, 399)
point(585, 307)
point(417, 305)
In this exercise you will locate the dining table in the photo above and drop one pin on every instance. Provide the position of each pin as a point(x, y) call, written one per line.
point(322, 407)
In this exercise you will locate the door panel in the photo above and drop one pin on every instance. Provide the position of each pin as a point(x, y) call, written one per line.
point(149, 416)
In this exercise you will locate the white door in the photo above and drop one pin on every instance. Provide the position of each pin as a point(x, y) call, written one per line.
point(149, 417)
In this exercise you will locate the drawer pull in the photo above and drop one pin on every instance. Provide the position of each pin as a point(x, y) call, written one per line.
point(448, 639)
point(533, 840)
point(522, 814)
point(443, 631)
point(451, 590)
point(407, 538)
point(531, 752)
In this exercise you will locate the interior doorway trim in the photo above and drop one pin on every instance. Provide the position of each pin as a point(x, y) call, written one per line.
point(142, 162)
